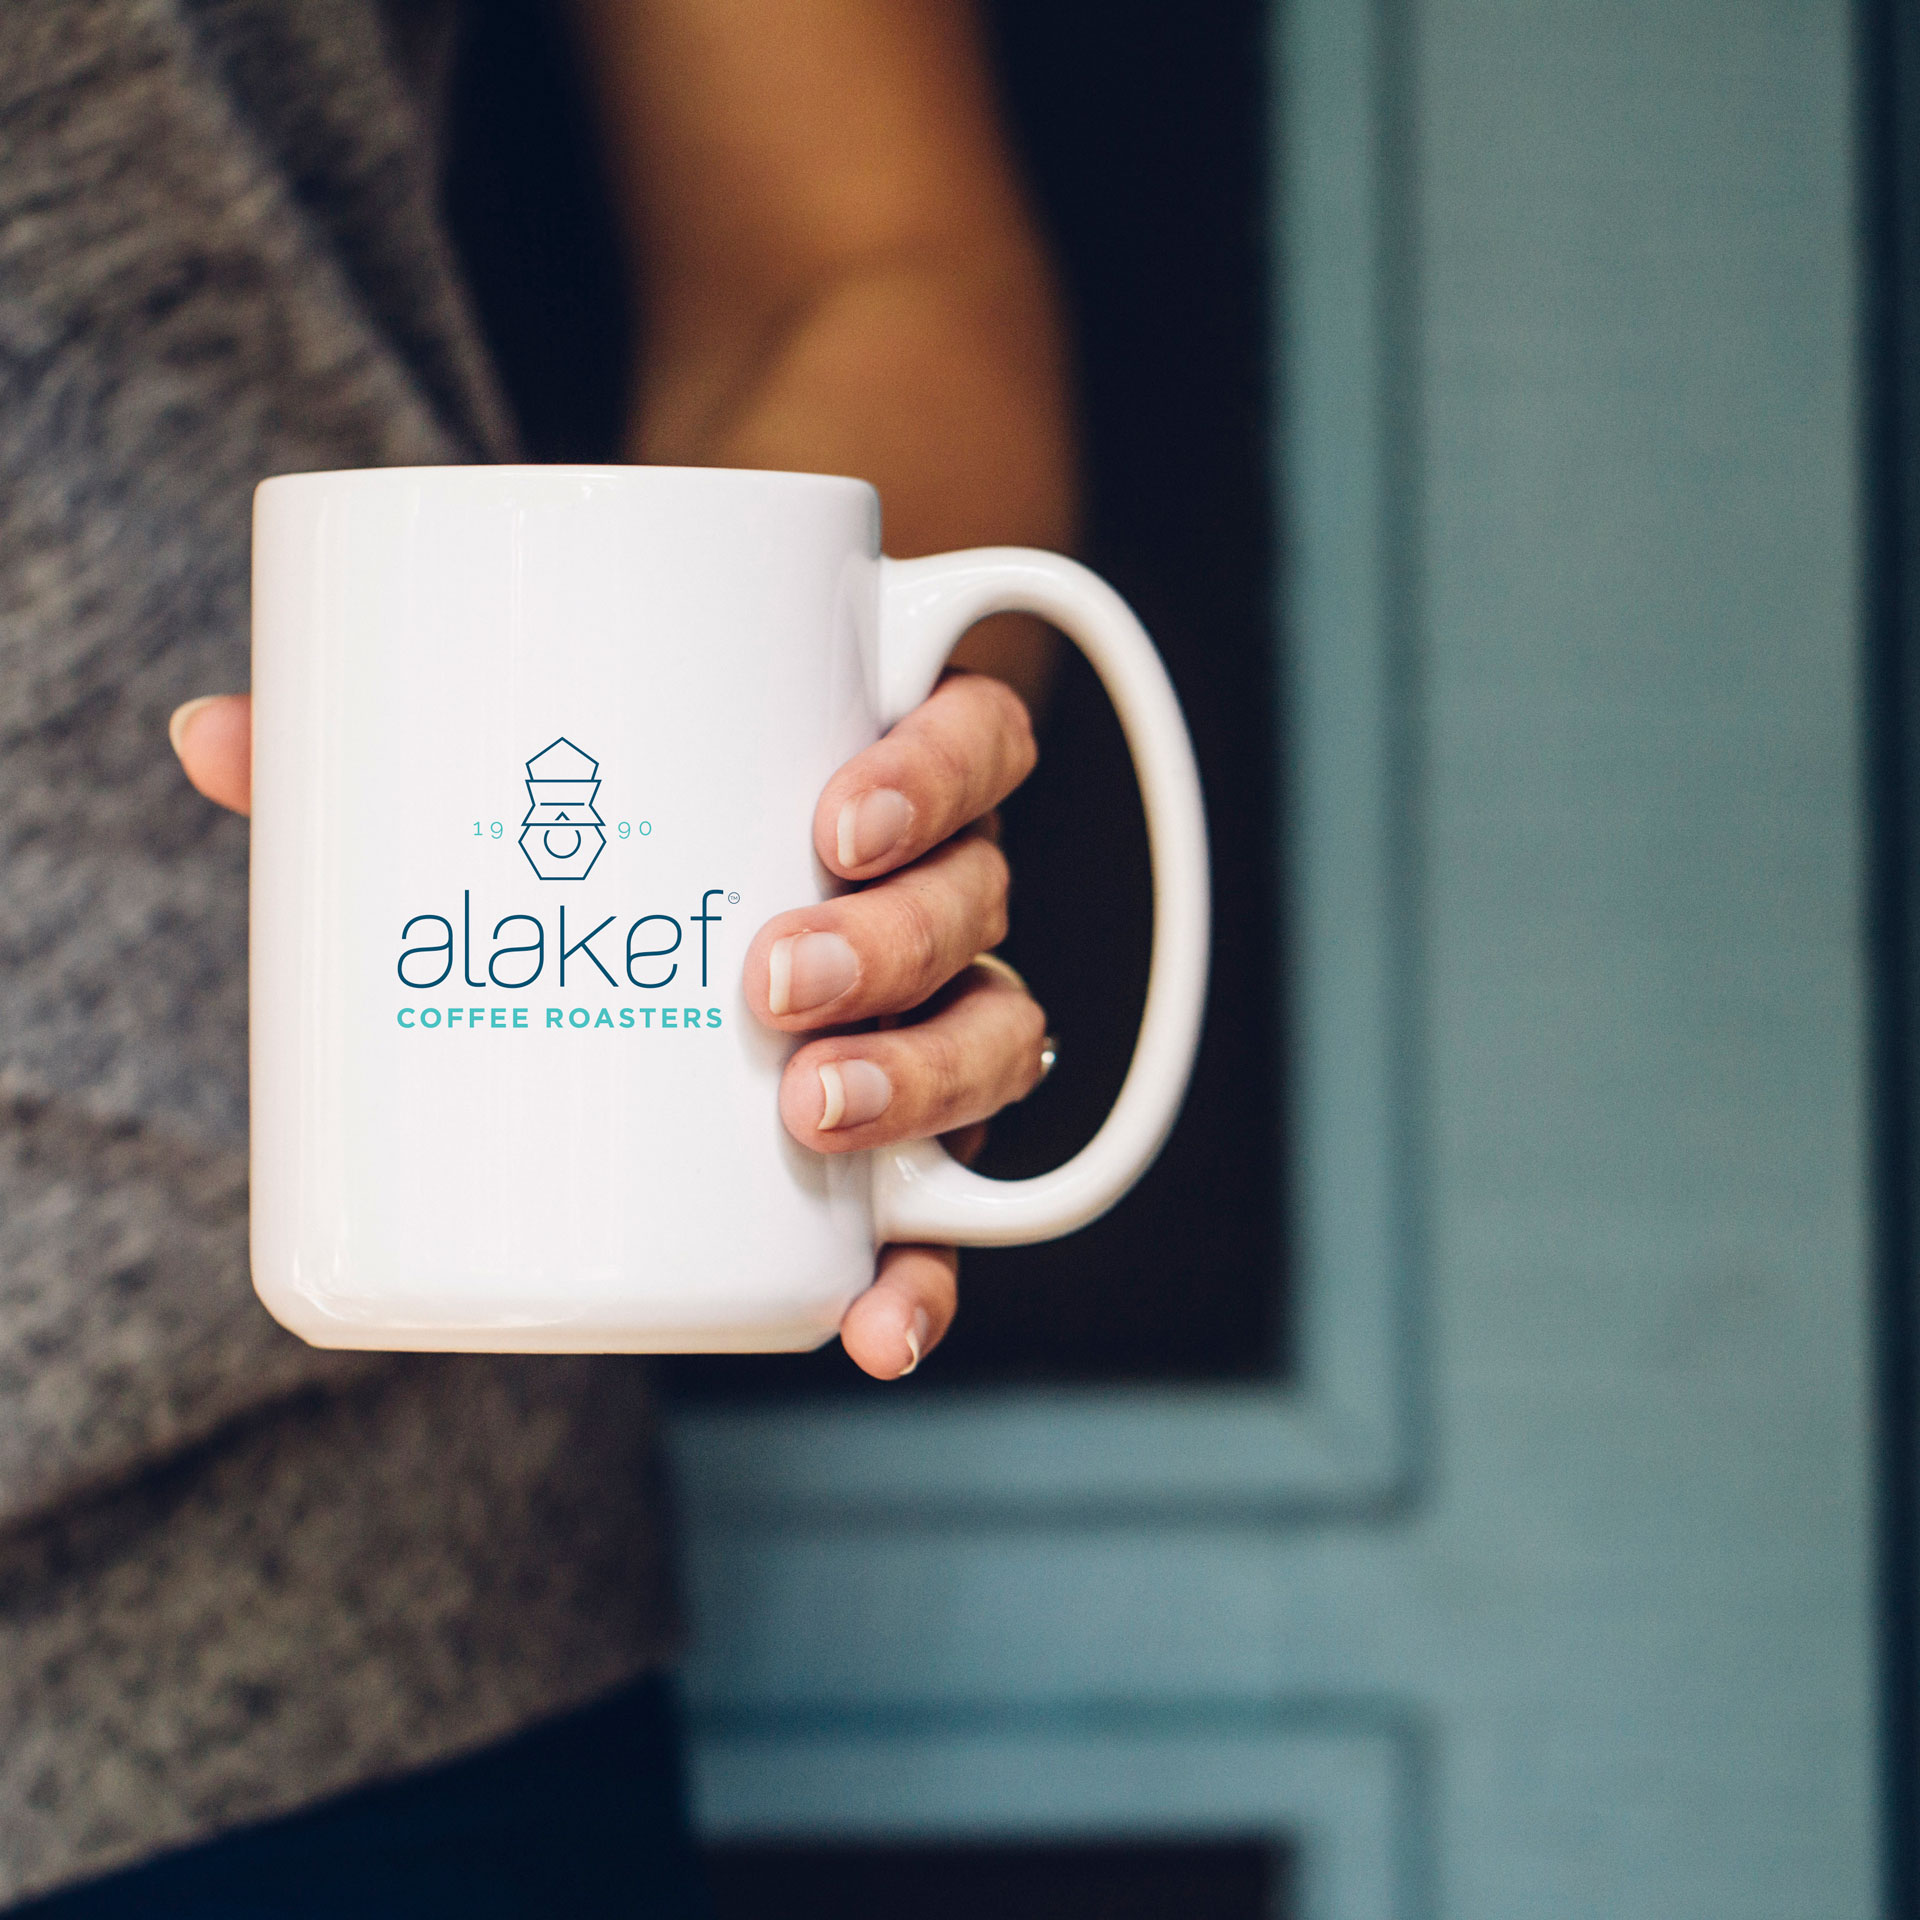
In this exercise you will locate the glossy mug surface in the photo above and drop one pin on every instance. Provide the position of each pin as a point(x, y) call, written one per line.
point(536, 750)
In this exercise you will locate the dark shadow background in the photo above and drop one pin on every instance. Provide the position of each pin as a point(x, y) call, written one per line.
point(1887, 57)
point(1230, 1880)
point(1142, 130)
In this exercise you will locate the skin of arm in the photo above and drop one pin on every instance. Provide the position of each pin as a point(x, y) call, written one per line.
point(836, 269)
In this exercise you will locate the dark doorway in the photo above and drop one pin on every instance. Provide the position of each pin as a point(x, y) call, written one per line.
point(1143, 129)
point(1178, 1881)
point(1887, 49)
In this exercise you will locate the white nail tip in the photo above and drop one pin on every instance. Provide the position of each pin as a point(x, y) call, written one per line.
point(918, 1327)
point(780, 977)
point(834, 1089)
point(182, 715)
point(845, 841)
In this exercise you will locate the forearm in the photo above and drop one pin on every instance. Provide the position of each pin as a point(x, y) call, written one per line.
point(835, 267)
point(945, 394)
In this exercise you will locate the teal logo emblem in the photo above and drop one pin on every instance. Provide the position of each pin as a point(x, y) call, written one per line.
point(562, 834)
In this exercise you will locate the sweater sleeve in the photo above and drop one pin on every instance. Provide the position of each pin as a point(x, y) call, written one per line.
point(184, 309)
point(129, 1330)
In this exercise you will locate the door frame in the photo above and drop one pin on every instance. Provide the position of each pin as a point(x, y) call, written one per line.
point(1343, 1782)
point(1343, 1434)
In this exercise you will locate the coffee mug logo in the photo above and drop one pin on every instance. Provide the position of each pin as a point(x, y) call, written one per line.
point(562, 834)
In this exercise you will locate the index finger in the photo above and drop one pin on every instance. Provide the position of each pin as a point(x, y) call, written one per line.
point(955, 757)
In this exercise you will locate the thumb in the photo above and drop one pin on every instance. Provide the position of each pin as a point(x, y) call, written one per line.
point(214, 738)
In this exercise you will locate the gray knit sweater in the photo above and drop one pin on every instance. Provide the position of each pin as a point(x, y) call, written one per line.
point(235, 1573)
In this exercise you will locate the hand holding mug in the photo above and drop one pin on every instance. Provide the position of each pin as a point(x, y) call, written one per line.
point(908, 824)
point(534, 751)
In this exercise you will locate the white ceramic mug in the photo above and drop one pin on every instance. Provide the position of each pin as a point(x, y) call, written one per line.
point(536, 750)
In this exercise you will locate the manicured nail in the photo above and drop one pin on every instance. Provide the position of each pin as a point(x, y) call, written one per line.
point(182, 717)
point(852, 1092)
point(806, 970)
point(872, 825)
point(916, 1340)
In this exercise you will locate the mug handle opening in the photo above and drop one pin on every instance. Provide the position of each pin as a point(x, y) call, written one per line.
point(920, 1192)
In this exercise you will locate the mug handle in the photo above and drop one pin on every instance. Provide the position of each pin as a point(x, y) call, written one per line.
point(920, 1192)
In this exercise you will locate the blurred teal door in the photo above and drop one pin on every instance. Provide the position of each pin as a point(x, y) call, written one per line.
point(1546, 1586)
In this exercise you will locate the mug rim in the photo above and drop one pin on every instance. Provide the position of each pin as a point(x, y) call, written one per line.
point(779, 478)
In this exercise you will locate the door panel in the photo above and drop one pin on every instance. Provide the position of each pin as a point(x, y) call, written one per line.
point(1544, 1582)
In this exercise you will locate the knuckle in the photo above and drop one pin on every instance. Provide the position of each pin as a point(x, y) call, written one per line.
point(990, 900)
point(991, 882)
point(912, 939)
point(1015, 727)
point(947, 763)
point(1007, 1043)
point(997, 870)
point(997, 925)
point(1031, 1017)
point(983, 921)
point(1030, 1036)
point(944, 1078)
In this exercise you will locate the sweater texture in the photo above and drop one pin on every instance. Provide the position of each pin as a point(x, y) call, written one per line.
point(236, 1573)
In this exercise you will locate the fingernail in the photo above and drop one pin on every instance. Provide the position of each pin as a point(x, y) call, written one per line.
point(917, 1333)
point(872, 825)
point(854, 1092)
point(182, 717)
point(806, 970)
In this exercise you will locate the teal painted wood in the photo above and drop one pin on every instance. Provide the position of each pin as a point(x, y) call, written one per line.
point(1565, 1607)
point(1357, 1789)
point(1338, 1437)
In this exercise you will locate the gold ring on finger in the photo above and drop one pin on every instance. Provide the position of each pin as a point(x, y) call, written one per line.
point(995, 965)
